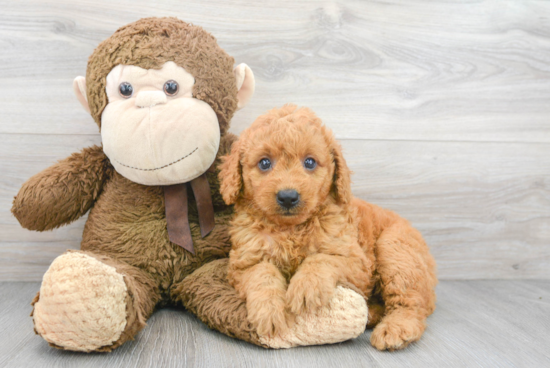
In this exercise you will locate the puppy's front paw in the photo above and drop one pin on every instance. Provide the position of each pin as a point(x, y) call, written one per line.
point(396, 332)
point(308, 293)
point(269, 317)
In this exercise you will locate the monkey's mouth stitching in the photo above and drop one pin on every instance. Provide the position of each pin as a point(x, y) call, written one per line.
point(162, 167)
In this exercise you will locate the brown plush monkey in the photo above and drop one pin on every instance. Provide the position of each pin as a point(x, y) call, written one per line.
point(162, 93)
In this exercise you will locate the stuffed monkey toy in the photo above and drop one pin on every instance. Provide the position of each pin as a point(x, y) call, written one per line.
point(162, 93)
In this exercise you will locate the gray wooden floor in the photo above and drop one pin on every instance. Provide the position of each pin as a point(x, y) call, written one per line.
point(476, 324)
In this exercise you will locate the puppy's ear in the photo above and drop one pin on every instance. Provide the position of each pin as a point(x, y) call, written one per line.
point(231, 175)
point(341, 186)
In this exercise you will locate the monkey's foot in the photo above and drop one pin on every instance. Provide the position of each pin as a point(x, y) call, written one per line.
point(344, 318)
point(81, 304)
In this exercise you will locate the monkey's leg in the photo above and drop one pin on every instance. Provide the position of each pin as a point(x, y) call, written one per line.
point(89, 302)
point(207, 294)
point(407, 282)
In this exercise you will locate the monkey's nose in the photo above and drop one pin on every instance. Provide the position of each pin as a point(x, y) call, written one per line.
point(150, 98)
point(288, 198)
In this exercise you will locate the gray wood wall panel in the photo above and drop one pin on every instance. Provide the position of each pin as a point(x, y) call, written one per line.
point(441, 106)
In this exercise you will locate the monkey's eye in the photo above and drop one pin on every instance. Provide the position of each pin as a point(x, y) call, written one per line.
point(310, 163)
point(125, 89)
point(264, 164)
point(171, 88)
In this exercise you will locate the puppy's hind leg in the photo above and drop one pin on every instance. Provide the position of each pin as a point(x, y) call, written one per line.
point(407, 282)
point(377, 309)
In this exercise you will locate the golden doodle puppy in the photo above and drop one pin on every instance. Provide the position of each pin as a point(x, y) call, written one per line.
point(298, 233)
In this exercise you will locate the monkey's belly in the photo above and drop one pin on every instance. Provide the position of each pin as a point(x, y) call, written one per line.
point(128, 223)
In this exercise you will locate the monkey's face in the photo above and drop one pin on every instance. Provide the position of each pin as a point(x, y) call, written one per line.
point(153, 130)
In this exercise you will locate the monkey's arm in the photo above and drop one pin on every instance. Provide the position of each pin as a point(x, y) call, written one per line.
point(63, 192)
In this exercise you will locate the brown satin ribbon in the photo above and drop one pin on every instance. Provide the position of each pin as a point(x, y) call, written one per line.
point(177, 219)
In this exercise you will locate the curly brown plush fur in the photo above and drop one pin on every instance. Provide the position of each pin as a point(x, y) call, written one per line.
point(126, 228)
point(286, 260)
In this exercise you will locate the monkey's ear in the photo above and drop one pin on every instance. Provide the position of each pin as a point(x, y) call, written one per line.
point(230, 175)
point(245, 84)
point(79, 87)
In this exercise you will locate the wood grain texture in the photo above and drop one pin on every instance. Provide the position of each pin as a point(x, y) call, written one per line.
point(441, 106)
point(443, 70)
point(476, 324)
point(482, 207)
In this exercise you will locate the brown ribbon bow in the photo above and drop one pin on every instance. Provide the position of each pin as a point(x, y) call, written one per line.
point(177, 220)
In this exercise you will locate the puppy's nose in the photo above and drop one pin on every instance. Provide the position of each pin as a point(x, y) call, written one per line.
point(288, 198)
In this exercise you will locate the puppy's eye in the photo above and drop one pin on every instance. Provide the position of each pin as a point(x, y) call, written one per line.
point(125, 89)
point(171, 88)
point(310, 163)
point(264, 164)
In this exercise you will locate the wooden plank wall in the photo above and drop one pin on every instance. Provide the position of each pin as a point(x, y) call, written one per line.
point(442, 108)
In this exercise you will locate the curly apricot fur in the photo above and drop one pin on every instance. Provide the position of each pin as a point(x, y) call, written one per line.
point(285, 261)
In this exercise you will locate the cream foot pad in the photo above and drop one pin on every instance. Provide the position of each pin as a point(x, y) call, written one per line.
point(82, 303)
point(344, 318)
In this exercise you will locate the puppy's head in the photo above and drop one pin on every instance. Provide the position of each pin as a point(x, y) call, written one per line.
point(286, 164)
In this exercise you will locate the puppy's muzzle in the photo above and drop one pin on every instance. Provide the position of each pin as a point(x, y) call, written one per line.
point(288, 198)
